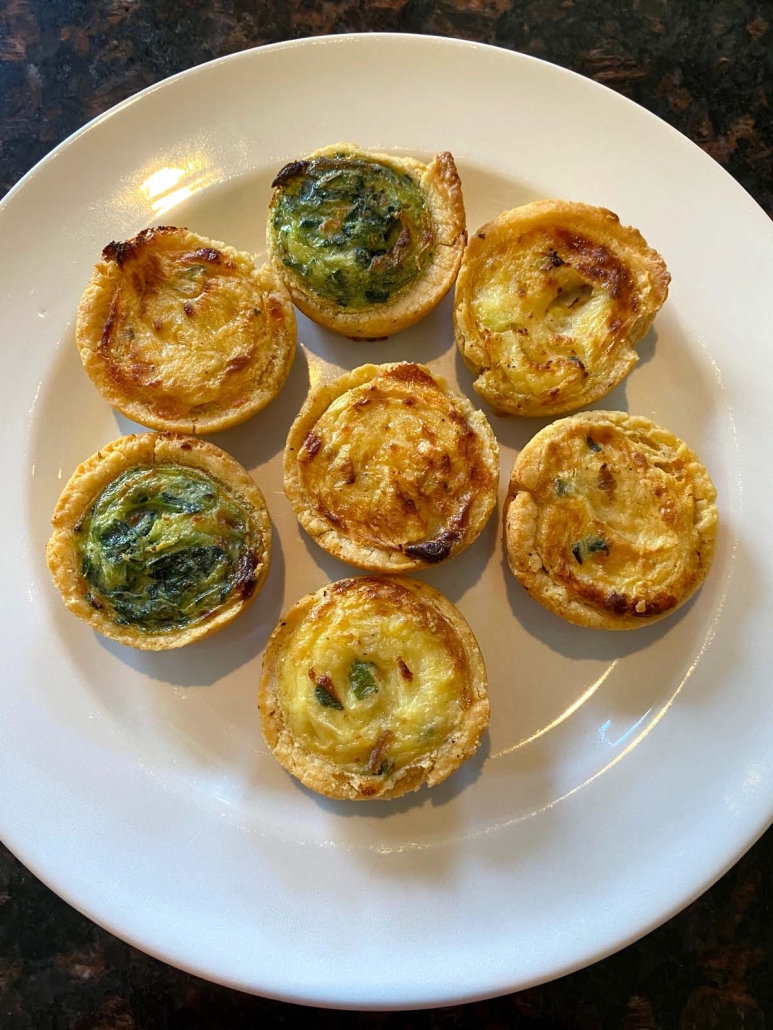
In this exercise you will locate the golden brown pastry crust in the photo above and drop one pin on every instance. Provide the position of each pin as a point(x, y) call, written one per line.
point(440, 184)
point(88, 481)
point(388, 469)
point(432, 611)
point(550, 302)
point(610, 520)
point(183, 333)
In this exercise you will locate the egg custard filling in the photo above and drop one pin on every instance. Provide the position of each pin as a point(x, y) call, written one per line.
point(164, 546)
point(550, 302)
point(610, 520)
point(354, 230)
point(371, 687)
point(373, 680)
point(387, 469)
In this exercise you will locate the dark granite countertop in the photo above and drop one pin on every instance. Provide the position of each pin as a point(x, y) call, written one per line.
point(706, 67)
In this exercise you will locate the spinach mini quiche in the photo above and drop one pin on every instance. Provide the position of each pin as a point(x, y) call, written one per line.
point(183, 333)
point(389, 469)
point(371, 687)
point(159, 540)
point(367, 243)
point(610, 521)
point(550, 302)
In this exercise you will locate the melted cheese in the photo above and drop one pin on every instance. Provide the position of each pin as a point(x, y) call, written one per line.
point(420, 669)
point(395, 464)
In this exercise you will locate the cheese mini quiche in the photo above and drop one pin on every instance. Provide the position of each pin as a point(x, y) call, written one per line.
point(181, 333)
point(371, 687)
point(609, 521)
point(388, 469)
point(550, 302)
point(159, 540)
point(367, 243)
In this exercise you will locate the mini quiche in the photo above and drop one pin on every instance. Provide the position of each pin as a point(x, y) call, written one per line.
point(372, 687)
point(610, 521)
point(367, 243)
point(388, 469)
point(159, 540)
point(185, 334)
point(550, 302)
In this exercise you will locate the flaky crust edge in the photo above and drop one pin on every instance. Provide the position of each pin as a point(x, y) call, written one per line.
point(520, 519)
point(338, 544)
point(441, 186)
point(652, 276)
point(323, 776)
point(94, 474)
point(93, 310)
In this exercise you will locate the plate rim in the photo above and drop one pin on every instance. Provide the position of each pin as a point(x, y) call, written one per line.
point(287, 44)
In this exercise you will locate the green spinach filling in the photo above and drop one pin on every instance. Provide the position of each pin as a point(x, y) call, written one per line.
point(353, 230)
point(590, 545)
point(163, 546)
point(362, 679)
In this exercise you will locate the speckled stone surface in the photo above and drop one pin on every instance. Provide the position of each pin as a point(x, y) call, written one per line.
point(706, 67)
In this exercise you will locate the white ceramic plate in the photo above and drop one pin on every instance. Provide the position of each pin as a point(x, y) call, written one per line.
point(622, 774)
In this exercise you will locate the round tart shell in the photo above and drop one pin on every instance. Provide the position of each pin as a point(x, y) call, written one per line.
point(650, 495)
point(442, 189)
point(170, 361)
point(478, 475)
point(587, 290)
point(88, 481)
point(323, 775)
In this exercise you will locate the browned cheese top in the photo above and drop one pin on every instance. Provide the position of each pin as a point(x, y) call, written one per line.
point(176, 331)
point(395, 463)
